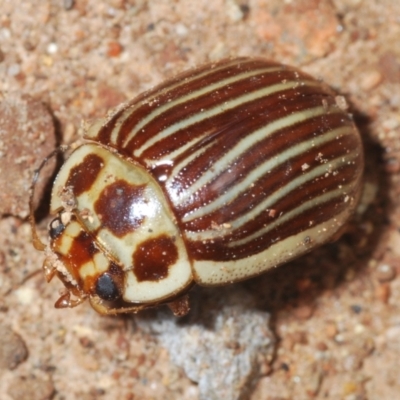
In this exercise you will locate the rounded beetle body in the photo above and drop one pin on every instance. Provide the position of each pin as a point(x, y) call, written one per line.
point(212, 177)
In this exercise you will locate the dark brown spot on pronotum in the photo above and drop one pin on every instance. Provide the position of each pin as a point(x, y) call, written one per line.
point(82, 176)
point(119, 207)
point(153, 258)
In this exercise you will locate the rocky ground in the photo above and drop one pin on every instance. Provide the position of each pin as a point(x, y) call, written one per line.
point(326, 326)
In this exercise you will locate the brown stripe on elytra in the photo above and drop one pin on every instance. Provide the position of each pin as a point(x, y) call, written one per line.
point(116, 209)
point(207, 101)
point(228, 139)
point(219, 251)
point(104, 134)
point(82, 176)
point(270, 183)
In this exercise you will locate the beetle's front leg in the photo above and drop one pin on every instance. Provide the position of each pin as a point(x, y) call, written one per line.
point(98, 305)
point(48, 268)
point(65, 301)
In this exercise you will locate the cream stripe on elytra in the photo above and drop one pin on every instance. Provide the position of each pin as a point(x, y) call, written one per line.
point(270, 201)
point(269, 164)
point(202, 115)
point(181, 167)
point(220, 85)
point(171, 157)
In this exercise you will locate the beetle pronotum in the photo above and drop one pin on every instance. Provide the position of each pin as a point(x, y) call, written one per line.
point(212, 177)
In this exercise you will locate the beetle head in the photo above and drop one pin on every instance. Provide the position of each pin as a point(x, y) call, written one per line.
point(115, 238)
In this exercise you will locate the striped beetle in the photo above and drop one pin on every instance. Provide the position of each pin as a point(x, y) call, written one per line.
point(212, 177)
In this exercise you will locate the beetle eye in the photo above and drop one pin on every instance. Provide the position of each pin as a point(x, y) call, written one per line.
point(56, 228)
point(106, 288)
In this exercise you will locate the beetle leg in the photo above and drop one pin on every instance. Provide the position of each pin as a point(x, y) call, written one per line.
point(180, 307)
point(65, 301)
point(99, 306)
point(49, 269)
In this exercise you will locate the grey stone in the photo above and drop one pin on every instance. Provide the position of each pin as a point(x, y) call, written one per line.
point(224, 344)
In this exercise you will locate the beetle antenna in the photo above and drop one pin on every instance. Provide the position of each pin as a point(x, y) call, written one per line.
point(37, 243)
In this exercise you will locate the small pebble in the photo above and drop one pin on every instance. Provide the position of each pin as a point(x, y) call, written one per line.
point(322, 346)
point(25, 295)
point(392, 165)
point(382, 292)
point(331, 330)
point(303, 312)
point(13, 350)
point(31, 388)
point(5, 33)
point(339, 338)
point(68, 4)
point(114, 49)
point(356, 308)
point(234, 11)
point(349, 388)
point(52, 48)
point(385, 273)
point(341, 103)
point(14, 69)
point(28, 45)
point(300, 337)
point(26, 138)
point(370, 80)
point(390, 67)
point(181, 30)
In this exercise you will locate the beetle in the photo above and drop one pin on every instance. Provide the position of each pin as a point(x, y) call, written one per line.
point(212, 177)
